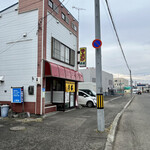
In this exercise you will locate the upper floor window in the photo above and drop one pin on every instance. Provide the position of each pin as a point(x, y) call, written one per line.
point(63, 16)
point(67, 19)
point(63, 53)
point(74, 26)
point(50, 3)
point(56, 8)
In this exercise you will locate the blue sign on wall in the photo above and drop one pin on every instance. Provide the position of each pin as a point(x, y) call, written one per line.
point(17, 95)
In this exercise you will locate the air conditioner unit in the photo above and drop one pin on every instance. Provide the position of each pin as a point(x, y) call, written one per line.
point(38, 80)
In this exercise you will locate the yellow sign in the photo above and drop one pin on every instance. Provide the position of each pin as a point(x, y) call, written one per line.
point(83, 57)
point(70, 86)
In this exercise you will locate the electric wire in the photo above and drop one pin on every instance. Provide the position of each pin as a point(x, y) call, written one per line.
point(117, 35)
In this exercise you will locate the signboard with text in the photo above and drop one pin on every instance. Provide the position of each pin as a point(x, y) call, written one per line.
point(17, 95)
point(70, 86)
point(83, 56)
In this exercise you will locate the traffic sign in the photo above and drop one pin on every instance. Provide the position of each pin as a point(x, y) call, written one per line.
point(97, 43)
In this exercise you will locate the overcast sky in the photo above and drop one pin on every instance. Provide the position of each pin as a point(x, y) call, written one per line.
point(132, 20)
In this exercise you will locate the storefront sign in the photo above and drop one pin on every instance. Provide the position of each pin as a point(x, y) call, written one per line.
point(17, 95)
point(83, 57)
point(70, 86)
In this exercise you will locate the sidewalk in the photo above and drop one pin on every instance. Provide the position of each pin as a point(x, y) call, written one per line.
point(73, 130)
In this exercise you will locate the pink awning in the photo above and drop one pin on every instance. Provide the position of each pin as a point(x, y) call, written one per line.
point(67, 72)
point(54, 70)
point(61, 72)
point(58, 71)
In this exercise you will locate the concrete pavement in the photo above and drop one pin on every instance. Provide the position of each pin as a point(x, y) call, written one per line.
point(134, 128)
point(74, 130)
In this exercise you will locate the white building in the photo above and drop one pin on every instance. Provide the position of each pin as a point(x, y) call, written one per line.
point(89, 75)
point(120, 83)
point(38, 51)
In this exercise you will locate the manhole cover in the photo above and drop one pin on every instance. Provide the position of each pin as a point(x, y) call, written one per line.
point(17, 128)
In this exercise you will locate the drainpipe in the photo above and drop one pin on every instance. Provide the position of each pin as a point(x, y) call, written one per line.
point(42, 60)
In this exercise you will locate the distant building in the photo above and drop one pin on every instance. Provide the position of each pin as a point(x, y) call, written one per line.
point(89, 75)
point(143, 87)
point(120, 83)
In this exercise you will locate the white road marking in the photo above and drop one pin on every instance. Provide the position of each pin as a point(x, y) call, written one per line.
point(112, 99)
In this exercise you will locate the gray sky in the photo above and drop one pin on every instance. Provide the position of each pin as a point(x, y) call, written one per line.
point(133, 25)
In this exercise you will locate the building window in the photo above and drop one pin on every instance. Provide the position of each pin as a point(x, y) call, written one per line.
point(58, 85)
point(67, 55)
point(63, 16)
point(67, 19)
point(74, 27)
point(72, 57)
point(93, 79)
point(63, 53)
point(50, 3)
point(56, 8)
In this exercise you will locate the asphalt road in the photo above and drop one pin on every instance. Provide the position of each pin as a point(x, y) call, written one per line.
point(134, 128)
point(72, 130)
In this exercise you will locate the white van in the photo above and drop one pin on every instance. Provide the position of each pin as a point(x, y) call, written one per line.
point(86, 100)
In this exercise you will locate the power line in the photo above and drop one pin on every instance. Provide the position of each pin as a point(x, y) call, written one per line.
point(117, 34)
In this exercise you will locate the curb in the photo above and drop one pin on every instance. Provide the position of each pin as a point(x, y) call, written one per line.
point(112, 132)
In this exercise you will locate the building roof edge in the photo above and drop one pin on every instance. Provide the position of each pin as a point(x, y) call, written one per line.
point(8, 7)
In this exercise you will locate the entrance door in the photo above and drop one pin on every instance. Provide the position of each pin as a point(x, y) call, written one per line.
point(71, 99)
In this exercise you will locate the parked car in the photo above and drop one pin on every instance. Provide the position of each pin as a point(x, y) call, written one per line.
point(86, 99)
point(139, 92)
point(89, 92)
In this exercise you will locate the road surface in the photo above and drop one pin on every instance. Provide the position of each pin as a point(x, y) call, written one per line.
point(134, 127)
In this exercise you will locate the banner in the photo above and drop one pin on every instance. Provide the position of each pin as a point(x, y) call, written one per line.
point(83, 57)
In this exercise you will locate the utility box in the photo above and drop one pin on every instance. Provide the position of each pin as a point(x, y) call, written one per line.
point(31, 90)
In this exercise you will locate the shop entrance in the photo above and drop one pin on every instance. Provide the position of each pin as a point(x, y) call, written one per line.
point(60, 92)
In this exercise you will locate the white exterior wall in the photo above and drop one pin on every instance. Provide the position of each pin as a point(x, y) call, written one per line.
point(90, 74)
point(86, 85)
point(62, 34)
point(18, 64)
point(122, 81)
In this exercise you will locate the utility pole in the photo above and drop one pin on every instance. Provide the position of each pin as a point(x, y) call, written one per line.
point(99, 89)
point(120, 86)
point(131, 82)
